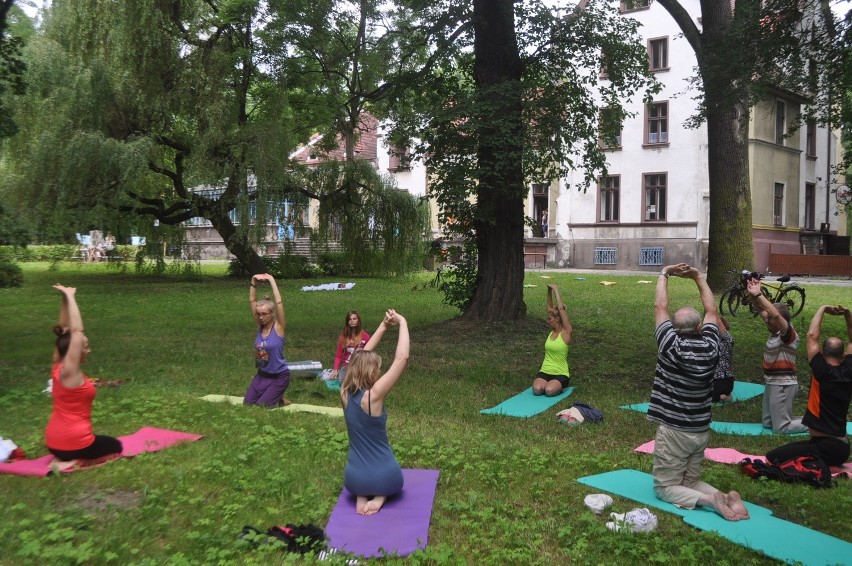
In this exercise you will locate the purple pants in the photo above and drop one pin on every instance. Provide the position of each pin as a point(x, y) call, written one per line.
point(267, 390)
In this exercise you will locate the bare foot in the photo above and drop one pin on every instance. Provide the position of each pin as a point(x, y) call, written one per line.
point(62, 466)
point(735, 502)
point(724, 398)
point(374, 505)
point(284, 402)
point(360, 503)
point(720, 504)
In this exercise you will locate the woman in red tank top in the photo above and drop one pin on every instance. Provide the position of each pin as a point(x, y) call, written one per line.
point(69, 434)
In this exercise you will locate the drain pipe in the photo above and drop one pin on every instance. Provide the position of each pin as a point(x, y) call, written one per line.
point(828, 164)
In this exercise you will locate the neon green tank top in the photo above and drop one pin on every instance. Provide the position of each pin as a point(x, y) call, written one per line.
point(555, 356)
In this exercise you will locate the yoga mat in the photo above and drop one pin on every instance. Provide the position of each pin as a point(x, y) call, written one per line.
point(763, 532)
point(400, 527)
point(742, 390)
point(731, 456)
point(146, 439)
point(525, 404)
point(291, 408)
point(755, 429)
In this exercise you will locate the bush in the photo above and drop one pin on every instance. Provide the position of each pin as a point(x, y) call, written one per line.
point(332, 263)
point(281, 267)
point(10, 274)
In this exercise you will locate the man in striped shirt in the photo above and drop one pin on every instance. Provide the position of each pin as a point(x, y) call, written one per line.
point(779, 364)
point(688, 352)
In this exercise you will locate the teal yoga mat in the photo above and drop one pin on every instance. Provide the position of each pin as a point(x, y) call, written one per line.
point(763, 532)
point(742, 390)
point(755, 429)
point(525, 404)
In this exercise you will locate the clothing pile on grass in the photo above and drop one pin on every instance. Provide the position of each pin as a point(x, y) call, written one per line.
point(578, 413)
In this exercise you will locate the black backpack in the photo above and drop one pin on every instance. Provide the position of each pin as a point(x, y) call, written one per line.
point(811, 470)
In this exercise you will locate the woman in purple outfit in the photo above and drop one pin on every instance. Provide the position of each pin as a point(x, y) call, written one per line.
point(273, 376)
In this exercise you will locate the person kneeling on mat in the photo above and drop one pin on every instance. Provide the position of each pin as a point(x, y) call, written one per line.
point(372, 473)
point(829, 398)
point(554, 376)
point(69, 434)
point(688, 352)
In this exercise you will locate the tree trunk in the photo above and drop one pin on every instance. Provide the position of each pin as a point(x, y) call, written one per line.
point(236, 244)
point(730, 193)
point(499, 217)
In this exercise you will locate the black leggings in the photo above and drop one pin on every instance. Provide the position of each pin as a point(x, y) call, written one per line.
point(102, 446)
point(833, 451)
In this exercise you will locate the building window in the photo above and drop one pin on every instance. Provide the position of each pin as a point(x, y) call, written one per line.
point(658, 54)
point(780, 120)
point(539, 189)
point(651, 256)
point(605, 256)
point(657, 124)
point(609, 128)
point(634, 5)
point(655, 196)
point(810, 205)
point(778, 205)
point(810, 139)
point(399, 159)
point(610, 189)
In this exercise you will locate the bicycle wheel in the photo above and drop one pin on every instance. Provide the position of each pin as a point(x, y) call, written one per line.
point(794, 298)
point(729, 302)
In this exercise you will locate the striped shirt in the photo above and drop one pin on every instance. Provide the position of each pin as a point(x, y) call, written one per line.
point(683, 378)
point(779, 358)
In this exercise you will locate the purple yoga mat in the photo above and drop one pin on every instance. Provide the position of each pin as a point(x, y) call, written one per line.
point(400, 527)
point(146, 439)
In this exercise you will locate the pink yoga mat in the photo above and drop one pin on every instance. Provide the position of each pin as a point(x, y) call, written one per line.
point(400, 527)
point(146, 439)
point(731, 456)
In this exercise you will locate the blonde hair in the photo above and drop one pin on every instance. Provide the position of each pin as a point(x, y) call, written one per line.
point(364, 370)
point(266, 302)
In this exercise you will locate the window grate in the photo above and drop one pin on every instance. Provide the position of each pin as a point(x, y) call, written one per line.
point(651, 256)
point(605, 256)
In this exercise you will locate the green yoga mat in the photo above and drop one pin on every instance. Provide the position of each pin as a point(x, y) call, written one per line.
point(755, 429)
point(763, 532)
point(525, 404)
point(291, 408)
point(742, 390)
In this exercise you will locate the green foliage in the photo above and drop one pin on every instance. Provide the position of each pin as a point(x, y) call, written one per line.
point(11, 274)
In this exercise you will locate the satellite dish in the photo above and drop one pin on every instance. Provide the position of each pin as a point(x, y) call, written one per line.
point(843, 195)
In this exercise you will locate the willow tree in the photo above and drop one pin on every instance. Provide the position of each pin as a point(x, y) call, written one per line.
point(516, 102)
point(14, 25)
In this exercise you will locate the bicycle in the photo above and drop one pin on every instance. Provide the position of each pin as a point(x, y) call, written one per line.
point(737, 294)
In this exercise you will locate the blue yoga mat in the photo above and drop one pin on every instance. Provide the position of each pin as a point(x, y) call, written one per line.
point(763, 532)
point(742, 390)
point(525, 404)
point(755, 429)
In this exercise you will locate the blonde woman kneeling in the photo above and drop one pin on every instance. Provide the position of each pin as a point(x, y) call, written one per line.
point(372, 473)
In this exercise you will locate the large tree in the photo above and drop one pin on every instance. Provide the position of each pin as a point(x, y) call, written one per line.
point(177, 109)
point(12, 66)
point(517, 101)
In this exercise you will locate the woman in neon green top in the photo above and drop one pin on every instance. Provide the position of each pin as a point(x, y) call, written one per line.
point(553, 376)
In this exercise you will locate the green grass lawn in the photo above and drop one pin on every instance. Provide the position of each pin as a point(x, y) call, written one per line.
point(506, 493)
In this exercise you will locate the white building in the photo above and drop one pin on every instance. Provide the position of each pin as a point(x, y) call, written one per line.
point(653, 206)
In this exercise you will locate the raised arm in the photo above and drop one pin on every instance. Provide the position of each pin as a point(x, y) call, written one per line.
point(707, 300)
point(847, 314)
point(379, 333)
point(253, 294)
point(814, 331)
point(567, 329)
point(400, 360)
point(661, 301)
point(774, 320)
point(63, 307)
point(71, 375)
point(280, 318)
